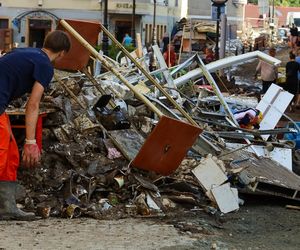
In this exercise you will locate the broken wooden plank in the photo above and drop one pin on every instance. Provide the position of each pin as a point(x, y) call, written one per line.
point(166, 146)
point(209, 174)
point(129, 140)
point(293, 207)
point(226, 199)
point(271, 178)
point(281, 155)
point(273, 105)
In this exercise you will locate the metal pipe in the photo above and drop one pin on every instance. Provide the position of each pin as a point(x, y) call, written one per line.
point(223, 35)
point(105, 38)
point(217, 33)
point(225, 63)
point(133, 24)
point(154, 24)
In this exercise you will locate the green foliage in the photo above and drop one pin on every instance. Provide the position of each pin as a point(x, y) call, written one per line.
point(287, 3)
point(113, 50)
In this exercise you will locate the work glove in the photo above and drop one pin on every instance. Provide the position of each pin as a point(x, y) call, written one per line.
point(31, 154)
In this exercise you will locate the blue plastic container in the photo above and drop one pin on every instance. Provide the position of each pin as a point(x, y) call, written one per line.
point(293, 136)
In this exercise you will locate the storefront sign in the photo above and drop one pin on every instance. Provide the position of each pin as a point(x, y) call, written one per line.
point(124, 6)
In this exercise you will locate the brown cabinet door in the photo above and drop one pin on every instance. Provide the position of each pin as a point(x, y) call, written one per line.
point(6, 41)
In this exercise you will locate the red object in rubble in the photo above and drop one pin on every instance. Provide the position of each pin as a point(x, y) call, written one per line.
point(78, 56)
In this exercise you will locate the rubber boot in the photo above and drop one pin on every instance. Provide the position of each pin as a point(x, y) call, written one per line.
point(8, 206)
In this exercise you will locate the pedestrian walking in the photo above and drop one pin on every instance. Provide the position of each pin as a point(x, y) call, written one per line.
point(293, 36)
point(297, 59)
point(292, 68)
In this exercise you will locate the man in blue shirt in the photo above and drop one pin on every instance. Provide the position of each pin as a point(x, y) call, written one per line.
point(24, 70)
point(127, 40)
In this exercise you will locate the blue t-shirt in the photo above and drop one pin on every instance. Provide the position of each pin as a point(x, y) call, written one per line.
point(19, 69)
point(127, 40)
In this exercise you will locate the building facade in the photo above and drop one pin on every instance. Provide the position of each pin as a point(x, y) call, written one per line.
point(30, 21)
point(234, 9)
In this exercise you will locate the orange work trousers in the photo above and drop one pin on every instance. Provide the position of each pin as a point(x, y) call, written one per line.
point(9, 153)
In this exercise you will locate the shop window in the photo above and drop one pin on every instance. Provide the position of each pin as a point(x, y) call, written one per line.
point(3, 23)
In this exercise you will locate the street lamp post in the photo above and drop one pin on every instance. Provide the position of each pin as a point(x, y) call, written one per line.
point(154, 24)
point(218, 4)
point(133, 23)
point(273, 21)
point(105, 38)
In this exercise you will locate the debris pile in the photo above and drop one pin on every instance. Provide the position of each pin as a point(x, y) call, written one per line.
point(200, 34)
point(115, 146)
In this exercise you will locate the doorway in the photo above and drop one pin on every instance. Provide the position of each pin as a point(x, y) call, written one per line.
point(38, 29)
point(122, 27)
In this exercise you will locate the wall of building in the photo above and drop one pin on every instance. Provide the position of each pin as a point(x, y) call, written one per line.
point(52, 4)
point(234, 10)
point(252, 14)
point(19, 13)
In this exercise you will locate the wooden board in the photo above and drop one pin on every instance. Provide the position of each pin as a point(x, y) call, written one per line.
point(281, 155)
point(273, 105)
point(209, 174)
point(129, 140)
point(271, 178)
point(226, 199)
point(186, 45)
point(21, 111)
point(78, 56)
point(166, 146)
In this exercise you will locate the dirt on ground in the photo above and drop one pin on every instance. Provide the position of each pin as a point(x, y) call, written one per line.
point(261, 223)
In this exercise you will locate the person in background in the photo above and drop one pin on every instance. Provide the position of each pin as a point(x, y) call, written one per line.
point(297, 59)
point(165, 42)
point(24, 70)
point(209, 55)
point(178, 26)
point(292, 68)
point(268, 72)
point(293, 36)
point(127, 40)
point(170, 56)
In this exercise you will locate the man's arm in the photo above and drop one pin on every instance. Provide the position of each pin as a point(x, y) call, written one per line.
point(31, 154)
point(32, 110)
